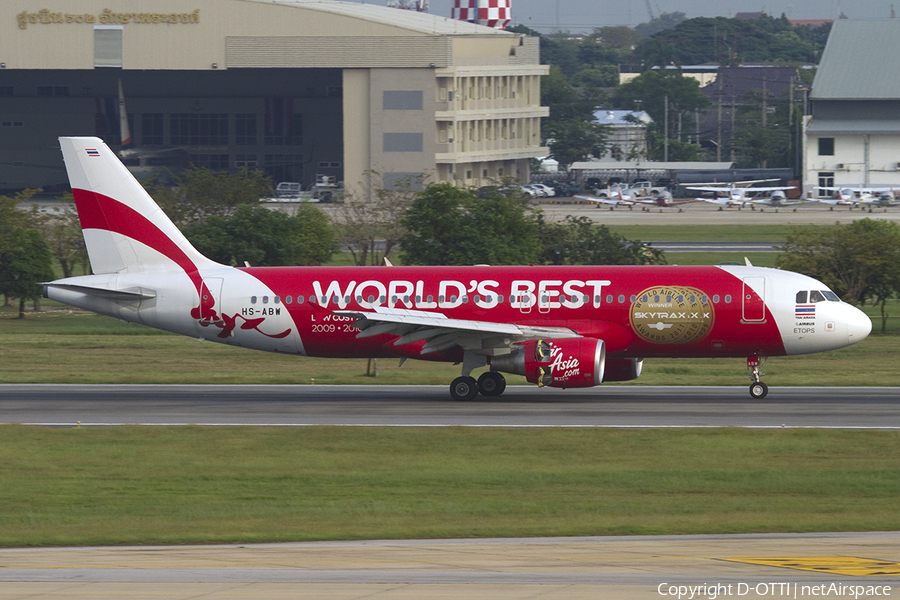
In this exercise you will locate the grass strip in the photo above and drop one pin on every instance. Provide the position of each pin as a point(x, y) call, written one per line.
point(172, 485)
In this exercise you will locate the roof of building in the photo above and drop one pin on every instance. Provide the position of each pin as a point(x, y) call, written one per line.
point(810, 22)
point(617, 117)
point(860, 61)
point(853, 126)
point(648, 165)
point(406, 19)
point(737, 81)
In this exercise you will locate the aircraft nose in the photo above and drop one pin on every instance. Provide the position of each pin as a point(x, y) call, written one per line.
point(859, 325)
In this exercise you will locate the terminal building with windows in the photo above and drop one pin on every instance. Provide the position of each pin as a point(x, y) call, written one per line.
point(361, 93)
point(853, 130)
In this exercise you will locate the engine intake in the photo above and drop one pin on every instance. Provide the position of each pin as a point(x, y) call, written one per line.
point(623, 369)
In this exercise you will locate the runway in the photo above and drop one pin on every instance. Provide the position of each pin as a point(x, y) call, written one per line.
point(431, 406)
point(622, 568)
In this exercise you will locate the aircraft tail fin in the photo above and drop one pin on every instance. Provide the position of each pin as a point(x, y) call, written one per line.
point(124, 229)
point(125, 131)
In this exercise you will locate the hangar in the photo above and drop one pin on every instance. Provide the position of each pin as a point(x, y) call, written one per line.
point(853, 128)
point(362, 93)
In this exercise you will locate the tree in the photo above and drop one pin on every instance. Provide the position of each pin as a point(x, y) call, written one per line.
point(764, 131)
point(660, 23)
point(859, 261)
point(24, 256)
point(200, 193)
point(617, 37)
point(570, 131)
point(578, 241)
point(573, 140)
point(264, 237)
point(447, 225)
point(371, 228)
point(25, 262)
point(62, 231)
point(652, 89)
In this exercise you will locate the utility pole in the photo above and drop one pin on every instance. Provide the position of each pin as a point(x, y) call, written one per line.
point(719, 137)
point(666, 127)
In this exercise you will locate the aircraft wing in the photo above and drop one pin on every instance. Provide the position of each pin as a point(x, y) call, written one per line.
point(728, 184)
point(443, 333)
point(780, 188)
point(778, 202)
point(719, 201)
point(708, 188)
point(605, 200)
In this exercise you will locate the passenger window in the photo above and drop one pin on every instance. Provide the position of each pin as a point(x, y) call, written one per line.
point(801, 297)
point(815, 296)
point(609, 299)
point(727, 298)
point(716, 299)
point(265, 299)
point(252, 299)
point(288, 299)
point(621, 298)
point(277, 299)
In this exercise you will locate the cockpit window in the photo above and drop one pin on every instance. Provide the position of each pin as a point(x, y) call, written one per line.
point(816, 296)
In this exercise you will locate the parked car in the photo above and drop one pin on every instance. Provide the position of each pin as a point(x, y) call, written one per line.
point(546, 190)
point(536, 190)
point(566, 189)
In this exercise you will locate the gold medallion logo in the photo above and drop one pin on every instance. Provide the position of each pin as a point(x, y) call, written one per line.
point(671, 315)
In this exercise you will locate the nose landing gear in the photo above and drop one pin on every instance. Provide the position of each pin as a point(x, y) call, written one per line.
point(757, 388)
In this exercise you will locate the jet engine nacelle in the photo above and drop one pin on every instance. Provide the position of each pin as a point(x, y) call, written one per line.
point(564, 363)
point(622, 369)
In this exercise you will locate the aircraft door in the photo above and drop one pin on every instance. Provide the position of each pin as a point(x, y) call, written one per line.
point(753, 300)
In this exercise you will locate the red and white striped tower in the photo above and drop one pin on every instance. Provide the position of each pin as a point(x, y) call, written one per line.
point(491, 13)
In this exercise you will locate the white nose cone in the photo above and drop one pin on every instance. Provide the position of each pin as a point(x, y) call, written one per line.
point(859, 325)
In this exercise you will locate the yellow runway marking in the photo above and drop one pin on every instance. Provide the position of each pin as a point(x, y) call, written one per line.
point(837, 565)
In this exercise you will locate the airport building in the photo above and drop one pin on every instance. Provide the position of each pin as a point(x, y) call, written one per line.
point(853, 130)
point(364, 94)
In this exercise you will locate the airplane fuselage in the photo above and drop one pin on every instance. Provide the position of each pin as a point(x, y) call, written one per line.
point(640, 312)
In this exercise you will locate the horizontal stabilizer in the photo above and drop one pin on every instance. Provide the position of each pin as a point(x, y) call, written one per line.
point(103, 292)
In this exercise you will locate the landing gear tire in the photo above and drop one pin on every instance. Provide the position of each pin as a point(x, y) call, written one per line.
point(758, 389)
point(491, 383)
point(464, 389)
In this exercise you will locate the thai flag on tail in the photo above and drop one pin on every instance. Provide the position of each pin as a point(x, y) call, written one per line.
point(92, 152)
point(805, 310)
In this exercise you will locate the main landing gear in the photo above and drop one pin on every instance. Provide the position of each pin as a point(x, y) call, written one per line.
point(465, 388)
point(757, 388)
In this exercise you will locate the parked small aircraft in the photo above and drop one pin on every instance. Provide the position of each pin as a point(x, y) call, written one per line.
point(568, 326)
point(740, 194)
point(660, 199)
point(863, 197)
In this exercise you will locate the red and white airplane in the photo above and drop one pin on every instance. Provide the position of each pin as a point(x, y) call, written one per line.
point(575, 326)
